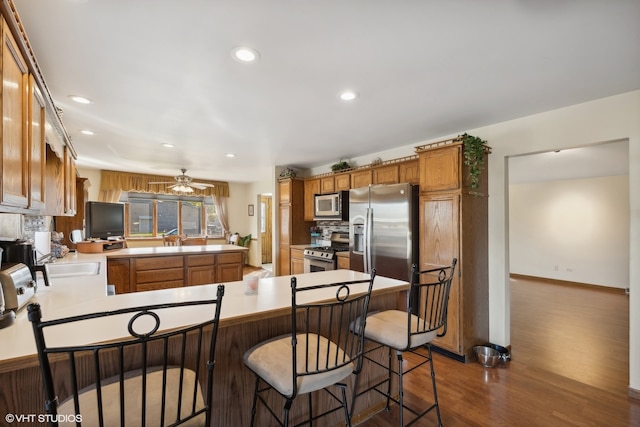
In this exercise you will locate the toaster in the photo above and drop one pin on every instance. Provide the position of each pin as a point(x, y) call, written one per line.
point(18, 286)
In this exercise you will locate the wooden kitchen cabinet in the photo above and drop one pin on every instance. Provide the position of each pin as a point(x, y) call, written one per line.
point(343, 261)
point(311, 188)
point(361, 178)
point(36, 147)
point(297, 261)
point(69, 183)
point(343, 182)
point(410, 171)
point(454, 224)
point(201, 269)
point(229, 267)
point(66, 224)
point(327, 185)
point(293, 229)
point(118, 275)
point(15, 156)
point(385, 174)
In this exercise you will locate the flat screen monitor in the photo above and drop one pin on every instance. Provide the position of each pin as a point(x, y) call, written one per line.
point(104, 220)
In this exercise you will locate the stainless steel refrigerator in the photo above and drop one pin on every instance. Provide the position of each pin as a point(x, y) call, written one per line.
point(383, 229)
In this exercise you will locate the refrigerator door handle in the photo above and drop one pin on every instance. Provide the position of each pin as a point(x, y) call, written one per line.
point(368, 228)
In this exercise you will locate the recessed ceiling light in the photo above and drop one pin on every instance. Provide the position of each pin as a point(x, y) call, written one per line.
point(80, 99)
point(87, 132)
point(167, 145)
point(245, 54)
point(348, 95)
point(230, 155)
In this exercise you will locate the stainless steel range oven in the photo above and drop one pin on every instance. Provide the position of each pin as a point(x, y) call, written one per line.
point(323, 258)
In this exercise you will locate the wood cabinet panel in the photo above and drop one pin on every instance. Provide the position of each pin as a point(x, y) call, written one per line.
point(343, 262)
point(284, 191)
point(158, 263)
point(361, 178)
point(118, 275)
point(441, 169)
point(410, 171)
point(311, 188)
point(36, 147)
point(235, 258)
point(15, 168)
point(228, 272)
point(54, 191)
point(385, 175)
point(165, 274)
point(327, 185)
point(343, 181)
point(205, 259)
point(293, 229)
point(69, 183)
point(284, 260)
point(201, 275)
point(297, 261)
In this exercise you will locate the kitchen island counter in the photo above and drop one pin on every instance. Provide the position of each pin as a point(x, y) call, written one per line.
point(245, 321)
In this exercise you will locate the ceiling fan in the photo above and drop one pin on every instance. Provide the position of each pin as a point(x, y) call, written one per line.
point(184, 183)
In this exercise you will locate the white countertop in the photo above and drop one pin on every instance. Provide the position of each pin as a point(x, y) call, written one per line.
point(85, 294)
point(173, 250)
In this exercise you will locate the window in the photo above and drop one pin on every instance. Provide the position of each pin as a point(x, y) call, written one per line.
point(151, 215)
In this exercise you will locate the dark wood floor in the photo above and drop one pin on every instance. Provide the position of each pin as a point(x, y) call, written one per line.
point(569, 366)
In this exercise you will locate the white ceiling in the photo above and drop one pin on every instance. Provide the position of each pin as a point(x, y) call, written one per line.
point(161, 71)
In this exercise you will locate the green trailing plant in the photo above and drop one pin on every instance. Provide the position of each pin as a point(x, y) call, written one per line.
point(474, 152)
point(341, 165)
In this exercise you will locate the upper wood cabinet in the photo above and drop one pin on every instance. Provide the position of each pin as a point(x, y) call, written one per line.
point(60, 195)
point(343, 181)
point(15, 156)
point(385, 174)
point(36, 147)
point(327, 185)
point(311, 188)
point(361, 178)
point(70, 196)
point(410, 171)
point(441, 169)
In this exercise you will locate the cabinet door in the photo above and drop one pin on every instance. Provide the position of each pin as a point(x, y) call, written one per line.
point(361, 178)
point(311, 188)
point(284, 191)
point(15, 168)
point(410, 171)
point(118, 275)
point(327, 185)
point(285, 224)
point(228, 273)
point(69, 183)
point(297, 261)
point(343, 182)
point(439, 244)
point(201, 275)
point(284, 264)
point(343, 263)
point(36, 147)
point(385, 175)
point(441, 169)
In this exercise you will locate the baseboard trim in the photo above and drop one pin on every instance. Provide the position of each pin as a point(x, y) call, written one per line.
point(568, 283)
point(634, 394)
point(455, 356)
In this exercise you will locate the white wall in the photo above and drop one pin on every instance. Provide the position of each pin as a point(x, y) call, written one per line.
point(607, 119)
point(575, 230)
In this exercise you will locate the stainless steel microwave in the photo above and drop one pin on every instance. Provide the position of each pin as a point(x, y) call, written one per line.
point(331, 206)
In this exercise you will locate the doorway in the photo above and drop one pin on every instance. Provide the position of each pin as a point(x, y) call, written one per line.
point(568, 234)
point(266, 231)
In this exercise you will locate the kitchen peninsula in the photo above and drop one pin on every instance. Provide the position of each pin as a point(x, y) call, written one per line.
point(245, 321)
point(152, 268)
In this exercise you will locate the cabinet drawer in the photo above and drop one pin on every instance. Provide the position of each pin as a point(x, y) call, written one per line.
point(235, 258)
point(158, 263)
point(159, 285)
point(166, 274)
point(205, 259)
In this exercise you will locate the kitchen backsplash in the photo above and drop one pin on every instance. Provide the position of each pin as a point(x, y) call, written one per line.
point(16, 226)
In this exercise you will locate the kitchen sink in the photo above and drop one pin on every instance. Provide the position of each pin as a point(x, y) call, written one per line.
point(72, 269)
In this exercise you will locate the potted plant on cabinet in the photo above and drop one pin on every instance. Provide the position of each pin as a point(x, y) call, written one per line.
point(340, 165)
point(474, 149)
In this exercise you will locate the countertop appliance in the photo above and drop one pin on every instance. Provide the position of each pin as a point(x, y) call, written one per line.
point(334, 206)
point(18, 286)
point(323, 258)
point(383, 229)
point(23, 252)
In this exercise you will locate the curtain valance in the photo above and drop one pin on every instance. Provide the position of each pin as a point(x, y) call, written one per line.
point(115, 182)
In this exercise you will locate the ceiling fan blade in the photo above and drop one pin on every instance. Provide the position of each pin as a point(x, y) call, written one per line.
point(200, 185)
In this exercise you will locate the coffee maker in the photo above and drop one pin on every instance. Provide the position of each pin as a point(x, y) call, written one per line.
point(20, 251)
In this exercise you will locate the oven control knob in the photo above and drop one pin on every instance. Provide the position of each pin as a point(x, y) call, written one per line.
point(20, 290)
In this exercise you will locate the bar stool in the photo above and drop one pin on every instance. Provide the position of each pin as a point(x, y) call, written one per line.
point(320, 352)
point(412, 330)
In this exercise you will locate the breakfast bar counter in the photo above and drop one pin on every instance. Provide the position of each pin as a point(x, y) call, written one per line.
point(245, 321)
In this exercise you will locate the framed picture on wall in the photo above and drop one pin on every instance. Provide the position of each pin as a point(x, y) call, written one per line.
point(251, 211)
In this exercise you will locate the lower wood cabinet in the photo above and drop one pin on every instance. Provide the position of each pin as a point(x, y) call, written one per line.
point(343, 261)
point(148, 273)
point(297, 261)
